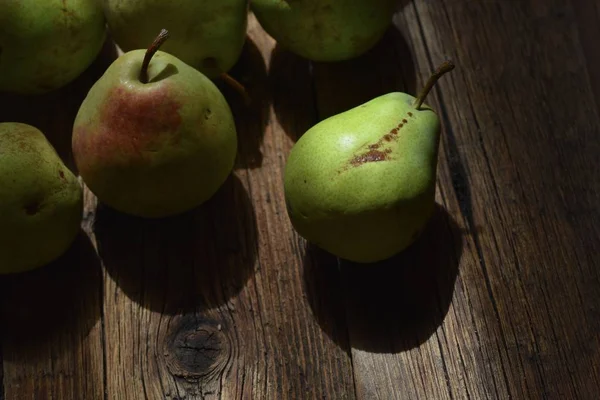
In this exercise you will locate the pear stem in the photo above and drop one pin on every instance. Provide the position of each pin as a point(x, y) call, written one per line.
point(237, 86)
point(160, 39)
point(446, 66)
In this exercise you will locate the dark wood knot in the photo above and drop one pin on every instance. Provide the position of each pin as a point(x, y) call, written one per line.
point(197, 348)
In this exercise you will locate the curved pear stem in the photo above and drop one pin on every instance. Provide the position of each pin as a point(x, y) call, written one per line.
point(446, 66)
point(237, 86)
point(160, 39)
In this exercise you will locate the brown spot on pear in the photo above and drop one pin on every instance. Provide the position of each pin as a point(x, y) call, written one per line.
point(370, 156)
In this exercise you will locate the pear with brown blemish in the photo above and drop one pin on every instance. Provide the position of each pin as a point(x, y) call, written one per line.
point(325, 30)
point(361, 184)
point(44, 45)
point(154, 137)
point(41, 201)
point(206, 34)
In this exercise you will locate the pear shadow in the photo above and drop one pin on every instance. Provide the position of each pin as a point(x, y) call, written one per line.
point(291, 85)
point(385, 68)
point(186, 263)
point(166, 72)
point(250, 119)
point(306, 92)
point(324, 290)
point(394, 305)
point(54, 112)
point(55, 305)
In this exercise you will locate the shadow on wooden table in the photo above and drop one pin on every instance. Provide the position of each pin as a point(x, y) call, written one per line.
point(306, 92)
point(291, 87)
point(54, 112)
point(186, 263)
point(52, 307)
point(250, 119)
point(324, 290)
point(397, 304)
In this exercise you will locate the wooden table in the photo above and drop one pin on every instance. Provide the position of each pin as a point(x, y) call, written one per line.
point(500, 298)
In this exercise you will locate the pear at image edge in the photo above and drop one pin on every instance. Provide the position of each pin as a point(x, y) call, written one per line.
point(206, 35)
point(361, 184)
point(157, 148)
point(46, 45)
point(41, 200)
point(325, 30)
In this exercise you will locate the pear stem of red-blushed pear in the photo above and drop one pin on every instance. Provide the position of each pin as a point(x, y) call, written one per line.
point(446, 66)
point(160, 39)
point(238, 87)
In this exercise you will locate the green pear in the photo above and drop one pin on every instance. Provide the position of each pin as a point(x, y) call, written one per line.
point(325, 30)
point(206, 34)
point(361, 184)
point(46, 44)
point(154, 136)
point(41, 201)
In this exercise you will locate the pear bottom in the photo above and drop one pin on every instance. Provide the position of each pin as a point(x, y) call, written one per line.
point(371, 235)
point(30, 251)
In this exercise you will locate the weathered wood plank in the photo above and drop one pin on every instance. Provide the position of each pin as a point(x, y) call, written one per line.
point(51, 328)
point(50, 319)
point(211, 304)
point(532, 145)
point(516, 181)
point(497, 299)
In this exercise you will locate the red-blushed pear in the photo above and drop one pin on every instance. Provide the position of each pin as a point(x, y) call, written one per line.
point(361, 184)
point(41, 201)
point(154, 137)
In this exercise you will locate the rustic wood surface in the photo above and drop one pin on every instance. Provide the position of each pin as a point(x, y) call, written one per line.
point(500, 297)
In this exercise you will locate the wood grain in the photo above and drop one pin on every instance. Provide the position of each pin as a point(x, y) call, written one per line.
point(499, 298)
point(520, 136)
point(211, 304)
